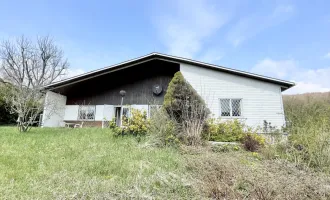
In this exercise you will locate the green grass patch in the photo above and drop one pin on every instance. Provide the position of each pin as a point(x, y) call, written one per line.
point(60, 163)
point(91, 163)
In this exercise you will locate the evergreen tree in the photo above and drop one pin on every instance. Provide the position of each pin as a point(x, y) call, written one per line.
point(185, 106)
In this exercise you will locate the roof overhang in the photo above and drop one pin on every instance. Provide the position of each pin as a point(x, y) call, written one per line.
point(158, 56)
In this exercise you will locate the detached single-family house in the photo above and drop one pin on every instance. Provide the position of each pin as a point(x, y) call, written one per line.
point(95, 96)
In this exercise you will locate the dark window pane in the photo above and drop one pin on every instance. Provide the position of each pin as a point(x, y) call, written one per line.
point(236, 107)
point(225, 107)
point(86, 113)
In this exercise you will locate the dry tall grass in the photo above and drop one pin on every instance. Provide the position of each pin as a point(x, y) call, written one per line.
point(243, 175)
point(309, 130)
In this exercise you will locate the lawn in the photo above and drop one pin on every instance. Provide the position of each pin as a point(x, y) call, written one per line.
point(92, 164)
point(85, 163)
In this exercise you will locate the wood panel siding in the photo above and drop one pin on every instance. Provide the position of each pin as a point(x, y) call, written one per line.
point(260, 100)
point(137, 81)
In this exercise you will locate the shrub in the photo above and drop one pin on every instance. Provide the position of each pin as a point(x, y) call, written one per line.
point(253, 141)
point(228, 131)
point(115, 129)
point(184, 106)
point(136, 125)
point(163, 130)
point(309, 131)
point(225, 148)
point(5, 117)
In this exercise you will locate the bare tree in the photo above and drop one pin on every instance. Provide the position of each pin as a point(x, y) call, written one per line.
point(28, 67)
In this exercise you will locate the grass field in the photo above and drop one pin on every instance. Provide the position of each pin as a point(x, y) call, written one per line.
point(79, 163)
point(92, 164)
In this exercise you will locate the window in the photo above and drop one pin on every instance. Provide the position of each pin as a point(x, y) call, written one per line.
point(230, 107)
point(153, 109)
point(126, 112)
point(86, 113)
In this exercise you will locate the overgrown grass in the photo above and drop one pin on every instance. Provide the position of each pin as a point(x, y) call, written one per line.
point(85, 163)
point(92, 164)
point(309, 131)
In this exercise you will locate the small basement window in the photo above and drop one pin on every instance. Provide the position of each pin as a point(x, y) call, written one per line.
point(230, 107)
point(86, 113)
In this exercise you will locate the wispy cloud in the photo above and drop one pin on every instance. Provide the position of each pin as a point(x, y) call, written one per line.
point(211, 56)
point(327, 55)
point(252, 25)
point(91, 58)
point(307, 80)
point(184, 28)
point(275, 68)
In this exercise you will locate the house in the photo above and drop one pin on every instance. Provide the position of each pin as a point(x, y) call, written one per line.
point(95, 97)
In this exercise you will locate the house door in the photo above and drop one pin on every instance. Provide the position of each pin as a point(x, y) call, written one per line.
point(118, 115)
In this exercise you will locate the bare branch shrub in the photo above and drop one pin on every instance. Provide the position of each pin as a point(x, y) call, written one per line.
point(28, 67)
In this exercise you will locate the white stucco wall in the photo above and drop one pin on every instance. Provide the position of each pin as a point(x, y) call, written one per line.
point(260, 100)
point(71, 112)
point(101, 111)
point(140, 107)
point(108, 112)
point(54, 110)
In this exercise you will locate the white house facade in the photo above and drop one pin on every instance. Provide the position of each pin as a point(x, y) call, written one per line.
point(230, 94)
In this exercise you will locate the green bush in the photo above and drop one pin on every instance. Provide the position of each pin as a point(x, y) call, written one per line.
point(187, 109)
point(136, 125)
point(115, 129)
point(163, 130)
point(308, 127)
point(5, 117)
point(228, 131)
point(253, 141)
point(182, 101)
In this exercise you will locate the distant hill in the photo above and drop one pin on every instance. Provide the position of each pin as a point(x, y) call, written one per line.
point(308, 97)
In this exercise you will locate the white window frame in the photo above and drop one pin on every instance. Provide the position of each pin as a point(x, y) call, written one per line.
point(231, 108)
point(86, 107)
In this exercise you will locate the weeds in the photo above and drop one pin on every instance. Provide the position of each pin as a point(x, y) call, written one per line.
point(238, 175)
point(309, 132)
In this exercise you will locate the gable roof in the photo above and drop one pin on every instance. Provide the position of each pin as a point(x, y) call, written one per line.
point(159, 56)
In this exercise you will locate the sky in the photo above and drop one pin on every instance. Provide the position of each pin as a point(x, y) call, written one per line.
point(288, 40)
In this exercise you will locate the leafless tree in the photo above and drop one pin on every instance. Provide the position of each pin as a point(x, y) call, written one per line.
point(28, 66)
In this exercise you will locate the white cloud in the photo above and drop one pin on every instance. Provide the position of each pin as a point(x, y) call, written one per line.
point(327, 55)
point(307, 80)
point(250, 26)
point(211, 56)
point(278, 69)
point(94, 57)
point(185, 31)
point(305, 87)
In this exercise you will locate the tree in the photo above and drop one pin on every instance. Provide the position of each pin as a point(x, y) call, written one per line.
point(5, 116)
point(28, 67)
point(186, 107)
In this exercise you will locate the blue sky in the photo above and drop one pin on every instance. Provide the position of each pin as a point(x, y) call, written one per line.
point(284, 39)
